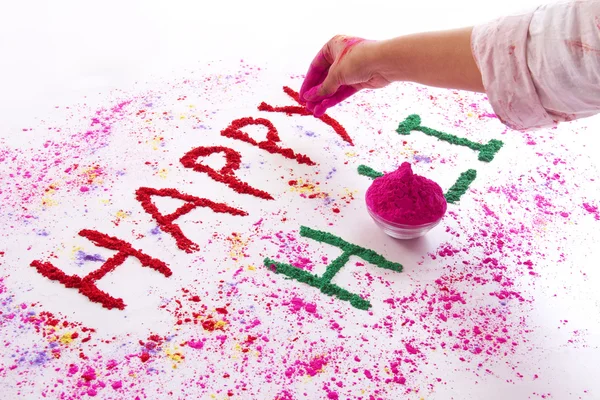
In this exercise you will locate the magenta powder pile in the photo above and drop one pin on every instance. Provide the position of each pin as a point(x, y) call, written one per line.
point(404, 198)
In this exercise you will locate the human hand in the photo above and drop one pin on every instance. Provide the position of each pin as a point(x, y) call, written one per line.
point(342, 67)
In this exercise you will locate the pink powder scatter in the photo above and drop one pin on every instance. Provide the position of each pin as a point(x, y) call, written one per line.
point(411, 349)
point(405, 198)
point(592, 210)
point(89, 374)
point(222, 338)
point(289, 372)
point(314, 366)
point(195, 344)
point(84, 189)
point(297, 303)
point(117, 385)
point(310, 307)
point(284, 395)
point(73, 369)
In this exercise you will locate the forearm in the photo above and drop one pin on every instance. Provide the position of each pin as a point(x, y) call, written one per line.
point(442, 59)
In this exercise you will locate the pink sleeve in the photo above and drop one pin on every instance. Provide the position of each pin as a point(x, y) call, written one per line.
point(542, 67)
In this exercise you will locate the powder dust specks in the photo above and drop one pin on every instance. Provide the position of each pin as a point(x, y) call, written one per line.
point(307, 189)
point(592, 210)
point(82, 257)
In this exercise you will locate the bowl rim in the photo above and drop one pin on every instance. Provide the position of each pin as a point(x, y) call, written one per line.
point(402, 226)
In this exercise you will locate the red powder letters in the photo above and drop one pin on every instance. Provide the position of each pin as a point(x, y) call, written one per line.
point(301, 110)
point(234, 131)
point(224, 175)
point(87, 284)
point(144, 196)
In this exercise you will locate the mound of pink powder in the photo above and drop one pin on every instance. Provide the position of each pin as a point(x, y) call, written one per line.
point(405, 198)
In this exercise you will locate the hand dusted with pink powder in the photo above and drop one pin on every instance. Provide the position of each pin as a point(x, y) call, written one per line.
point(340, 69)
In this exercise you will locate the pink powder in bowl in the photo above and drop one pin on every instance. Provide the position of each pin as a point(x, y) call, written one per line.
point(402, 197)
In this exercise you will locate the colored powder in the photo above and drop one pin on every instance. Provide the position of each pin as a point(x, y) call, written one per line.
point(310, 307)
point(368, 171)
point(315, 366)
point(89, 374)
point(460, 186)
point(226, 174)
point(405, 198)
point(87, 284)
point(453, 195)
point(166, 222)
point(592, 210)
point(410, 348)
point(486, 151)
point(195, 344)
point(302, 110)
point(234, 131)
point(324, 282)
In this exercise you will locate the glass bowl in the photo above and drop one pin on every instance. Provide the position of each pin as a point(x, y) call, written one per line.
point(400, 231)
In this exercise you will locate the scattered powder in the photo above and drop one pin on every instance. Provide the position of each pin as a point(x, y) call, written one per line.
point(592, 210)
point(405, 198)
point(195, 344)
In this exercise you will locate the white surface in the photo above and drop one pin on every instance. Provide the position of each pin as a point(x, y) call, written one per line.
point(66, 52)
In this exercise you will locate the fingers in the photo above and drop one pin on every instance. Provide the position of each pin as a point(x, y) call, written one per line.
point(319, 109)
point(310, 106)
point(328, 88)
point(318, 70)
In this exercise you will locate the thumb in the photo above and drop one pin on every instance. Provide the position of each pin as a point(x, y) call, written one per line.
point(326, 89)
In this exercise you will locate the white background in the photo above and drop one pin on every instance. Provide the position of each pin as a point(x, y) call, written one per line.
point(59, 51)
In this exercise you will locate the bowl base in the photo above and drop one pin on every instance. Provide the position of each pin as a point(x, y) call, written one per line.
point(403, 235)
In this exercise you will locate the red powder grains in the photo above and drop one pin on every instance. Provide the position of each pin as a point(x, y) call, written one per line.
point(301, 110)
point(144, 196)
point(226, 174)
point(87, 284)
point(234, 131)
point(404, 198)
